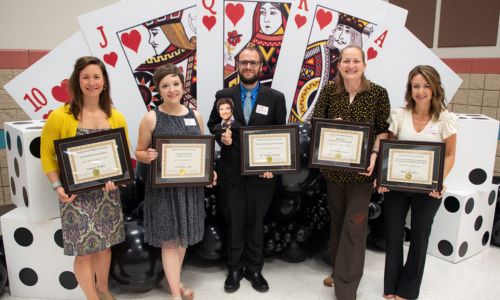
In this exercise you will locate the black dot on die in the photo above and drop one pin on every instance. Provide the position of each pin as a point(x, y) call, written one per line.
point(28, 276)
point(12, 185)
point(478, 223)
point(462, 250)
point(35, 147)
point(20, 146)
point(58, 238)
point(25, 197)
point(16, 167)
point(477, 176)
point(9, 143)
point(23, 236)
point(445, 247)
point(35, 127)
point(486, 238)
point(68, 280)
point(451, 204)
point(469, 205)
point(23, 122)
point(491, 198)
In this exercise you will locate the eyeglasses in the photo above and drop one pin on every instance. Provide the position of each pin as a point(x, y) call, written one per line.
point(252, 63)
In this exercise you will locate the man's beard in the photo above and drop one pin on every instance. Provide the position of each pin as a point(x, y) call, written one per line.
point(250, 80)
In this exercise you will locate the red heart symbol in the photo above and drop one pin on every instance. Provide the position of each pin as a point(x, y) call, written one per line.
point(209, 21)
point(45, 116)
point(110, 58)
point(60, 92)
point(235, 12)
point(324, 18)
point(372, 53)
point(300, 20)
point(131, 40)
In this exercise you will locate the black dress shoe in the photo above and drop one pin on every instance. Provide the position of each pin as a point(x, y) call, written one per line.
point(232, 283)
point(258, 281)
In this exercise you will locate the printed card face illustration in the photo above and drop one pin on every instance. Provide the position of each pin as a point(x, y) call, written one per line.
point(43, 86)
point(393, 51)
point(133, 39)
point(310, 52)
point(226, 27)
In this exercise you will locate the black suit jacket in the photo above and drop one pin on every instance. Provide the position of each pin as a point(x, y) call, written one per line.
point(229, 164)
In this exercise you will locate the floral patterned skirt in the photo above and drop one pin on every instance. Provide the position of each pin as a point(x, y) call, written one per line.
point(92, 222)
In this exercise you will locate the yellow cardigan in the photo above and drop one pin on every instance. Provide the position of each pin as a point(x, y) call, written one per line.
point(61, 124)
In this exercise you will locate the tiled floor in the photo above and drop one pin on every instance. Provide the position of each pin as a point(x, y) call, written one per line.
point(475, 278)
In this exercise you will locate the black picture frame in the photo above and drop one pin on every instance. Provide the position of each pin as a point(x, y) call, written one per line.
point(179, 174)
point(87, 162)
point(253, 138)
point(399, 160)
point(328, 135)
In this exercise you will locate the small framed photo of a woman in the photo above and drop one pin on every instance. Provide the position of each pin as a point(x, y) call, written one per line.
point(88, 161)
point(342, 145)
point(269, 148)
point(183, 161)
point(411, 166)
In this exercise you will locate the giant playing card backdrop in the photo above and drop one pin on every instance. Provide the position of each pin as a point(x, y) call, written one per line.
point(135, 37)
point(319, 31)
point(43, 86)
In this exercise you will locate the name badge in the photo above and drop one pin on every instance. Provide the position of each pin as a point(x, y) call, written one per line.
point(190, 122)
point(261, 109)
point(433, 129)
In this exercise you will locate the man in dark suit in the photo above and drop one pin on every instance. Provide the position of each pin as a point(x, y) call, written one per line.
point(244, 200)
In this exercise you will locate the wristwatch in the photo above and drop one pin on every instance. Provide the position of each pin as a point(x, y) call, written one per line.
point(56, 184)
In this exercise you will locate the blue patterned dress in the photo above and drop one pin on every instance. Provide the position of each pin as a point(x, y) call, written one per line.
point(174, 216)
point(93, 221)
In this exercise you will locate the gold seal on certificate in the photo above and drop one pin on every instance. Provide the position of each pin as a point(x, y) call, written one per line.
point(411, 166)
point(182, 161)
point(88, 161)
point(270, 148)
point(338, 144)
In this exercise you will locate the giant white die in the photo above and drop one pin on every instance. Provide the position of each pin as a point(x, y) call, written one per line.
point(475, 155)
point(36, 264)
point(29, 187)
point(463, 224)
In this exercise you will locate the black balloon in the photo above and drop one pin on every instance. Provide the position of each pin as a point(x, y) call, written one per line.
point(132, 194)
point(299, 182)
point(374, 210)
point(211, 247)
point(286, 207)
point(135, 266)
point(295, 253)
point(495, 232)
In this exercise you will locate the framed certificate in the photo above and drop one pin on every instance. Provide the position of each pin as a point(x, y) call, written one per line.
point(411, 166)
point(338, 144)
point(88, 161)
point(183, 161)
point(269, 148)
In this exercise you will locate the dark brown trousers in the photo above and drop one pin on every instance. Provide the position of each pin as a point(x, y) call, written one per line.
point(349, 218)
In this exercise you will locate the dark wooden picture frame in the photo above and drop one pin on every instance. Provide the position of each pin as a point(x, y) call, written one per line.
point(409, 155)
point(249, 135)
point(319, 159)
point(205, 144)
point(90, 154)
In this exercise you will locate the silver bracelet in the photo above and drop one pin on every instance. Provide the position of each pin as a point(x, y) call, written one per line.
point(56, 184)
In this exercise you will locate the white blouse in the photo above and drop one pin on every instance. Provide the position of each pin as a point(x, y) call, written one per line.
point(401, 125)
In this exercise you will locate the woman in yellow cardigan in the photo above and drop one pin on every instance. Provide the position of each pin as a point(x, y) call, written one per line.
point(92, 221)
